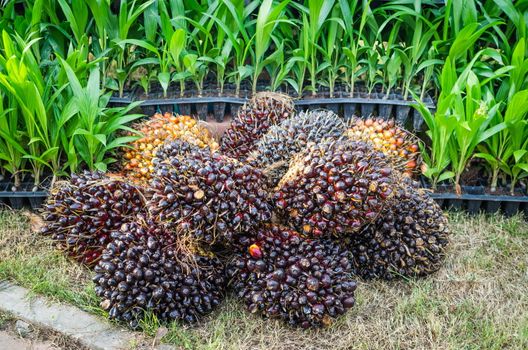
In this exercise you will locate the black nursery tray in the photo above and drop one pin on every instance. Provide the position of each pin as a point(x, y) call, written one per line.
point(375, 104)
point(21, 199)
point(476, 203)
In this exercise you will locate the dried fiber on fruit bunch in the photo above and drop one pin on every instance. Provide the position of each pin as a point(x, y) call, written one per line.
point(80, 214)
point(334, 188)
point(252, 121)
point(212, 196)
point(385, 135)
point(277, 147)
point(302, 281)
point(408, 239)
point(156, 130)
point(143, 269)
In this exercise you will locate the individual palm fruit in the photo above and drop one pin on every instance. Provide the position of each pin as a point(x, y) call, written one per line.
point(252, 121)
point(81, 214)
point(209, 195)
point(277, 147)
point(155, 132)
point(147, 268)
point(385, 135)
point(302, 281)
point(408, 239)
point(334, 188)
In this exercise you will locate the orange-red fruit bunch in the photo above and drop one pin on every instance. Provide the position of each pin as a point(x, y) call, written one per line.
point(155, 131)
point(386, 136)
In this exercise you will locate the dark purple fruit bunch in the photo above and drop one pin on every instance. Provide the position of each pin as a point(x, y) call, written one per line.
point(144, 269)
point(211, 196)
point(80, 214)
point(304, 282)
point(277, 147)
point(252, 121)
point(334, 188)
point(408, 239)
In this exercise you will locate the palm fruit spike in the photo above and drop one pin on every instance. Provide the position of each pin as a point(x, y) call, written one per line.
point(408, 239)
point(208, 194)
point(156, 131)
point(385, 135)
point(147, 268)
point(253, 120)
point(277, 147)
point(302, 281)
point(81, 214)
point(334, 187)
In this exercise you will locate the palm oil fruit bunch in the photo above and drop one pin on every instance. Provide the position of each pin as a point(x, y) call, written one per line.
point(334, 188)
point(302, 281)
point(81, 214)
point(408, 239)
point(252, 121)
point(144, 269)
point(211, 196)
point(158, 129)
point(397, 143)
point(277, 147)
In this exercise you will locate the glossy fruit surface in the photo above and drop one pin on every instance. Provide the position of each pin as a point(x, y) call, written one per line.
point(146, 267)
point(334, 188)
point(211, 196)
point(387, 136)
point(408, 240)
point(304, 282)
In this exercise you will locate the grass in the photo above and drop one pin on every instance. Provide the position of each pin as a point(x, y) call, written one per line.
point(478, 300)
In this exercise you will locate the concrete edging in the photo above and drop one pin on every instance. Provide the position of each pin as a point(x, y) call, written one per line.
point(68, 320)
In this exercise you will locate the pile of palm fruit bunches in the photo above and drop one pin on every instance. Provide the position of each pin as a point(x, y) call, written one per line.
point(286, 212)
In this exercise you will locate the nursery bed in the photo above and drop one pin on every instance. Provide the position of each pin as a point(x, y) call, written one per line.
point(476, 300)
point(394, 107)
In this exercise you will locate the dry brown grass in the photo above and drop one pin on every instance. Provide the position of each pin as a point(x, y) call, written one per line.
point(478, 300)
point(31, 260)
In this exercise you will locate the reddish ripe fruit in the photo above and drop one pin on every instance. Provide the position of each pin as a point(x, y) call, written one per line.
point(254, 251)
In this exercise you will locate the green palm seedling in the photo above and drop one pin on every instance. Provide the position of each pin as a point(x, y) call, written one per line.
point(353, 40)
point(119, 28)
point(32, 97)
point(316, 14)
point(269, 15)
point(238, 31)
point(94, 127)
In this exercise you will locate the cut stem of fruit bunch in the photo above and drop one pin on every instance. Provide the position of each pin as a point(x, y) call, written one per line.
point(157, 130)
point(400, 146)
point(253, 121)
